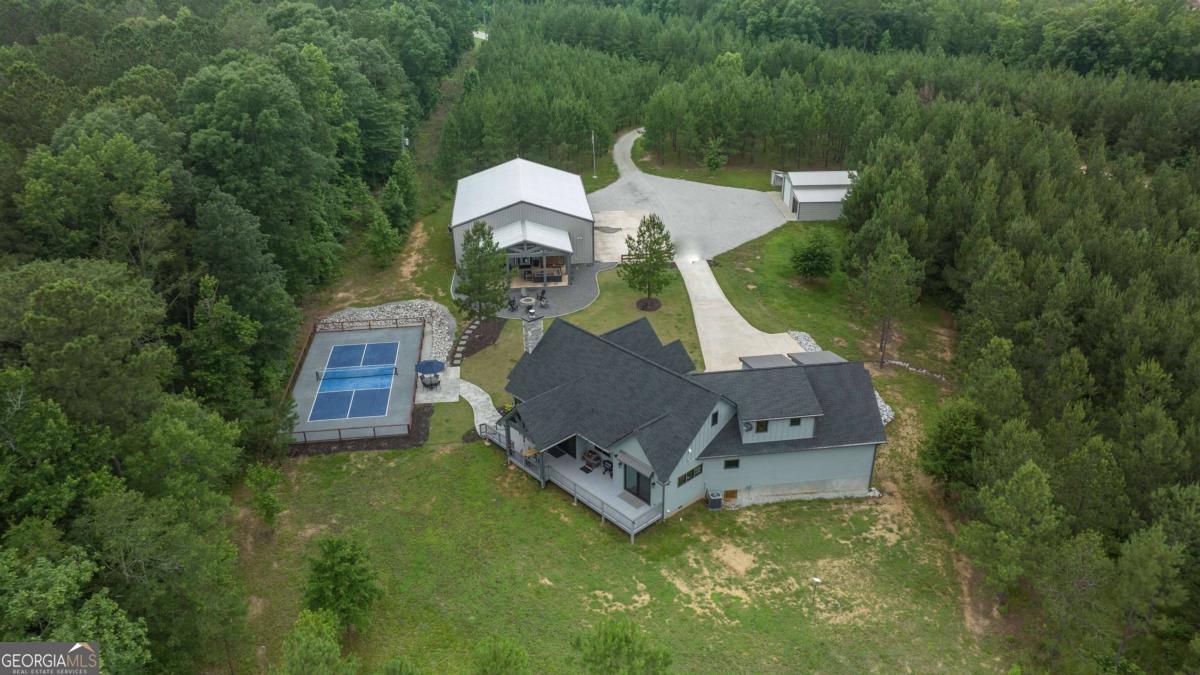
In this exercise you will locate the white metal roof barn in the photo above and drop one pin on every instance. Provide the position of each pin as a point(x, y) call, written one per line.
point(538, 214)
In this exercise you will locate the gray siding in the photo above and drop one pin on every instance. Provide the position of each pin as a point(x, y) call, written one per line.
point(679, 497)
point(806, 474)
point(581, 230)
point(779, 430)
point(786, 191)
point(819, 211)
point(631, 447)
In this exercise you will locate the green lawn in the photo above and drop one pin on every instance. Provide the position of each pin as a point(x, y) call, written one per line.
point(749, 177)
point(758, 279)
point(615, 307)
point(466, 547)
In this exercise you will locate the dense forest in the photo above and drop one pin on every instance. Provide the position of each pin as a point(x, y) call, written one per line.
point(174, 176)
point(1040, 162)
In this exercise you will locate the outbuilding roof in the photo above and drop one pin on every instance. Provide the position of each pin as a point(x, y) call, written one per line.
point(515, 181)
point(815, 358)
point(819, 195)
point(534, 233)
point(766, 361)
point(820, 178)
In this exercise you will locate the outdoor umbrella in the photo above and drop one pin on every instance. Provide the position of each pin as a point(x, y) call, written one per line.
point(430, 367)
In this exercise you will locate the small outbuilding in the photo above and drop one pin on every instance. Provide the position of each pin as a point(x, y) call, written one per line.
point(815, 195)
point(538, 214)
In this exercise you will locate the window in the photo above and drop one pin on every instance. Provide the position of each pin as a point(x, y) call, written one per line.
point(715, 416)
point(732, 463)
point(683, 478)
point(760, 427)
point(794, 422)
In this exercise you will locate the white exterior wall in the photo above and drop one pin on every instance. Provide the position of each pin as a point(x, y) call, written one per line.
point(779, 430)
point(581, 230)
point(818, 211)
point(804, 474)
point(786, 191)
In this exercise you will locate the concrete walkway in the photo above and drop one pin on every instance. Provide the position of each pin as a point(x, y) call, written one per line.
point(724, 334)
point(481, 403)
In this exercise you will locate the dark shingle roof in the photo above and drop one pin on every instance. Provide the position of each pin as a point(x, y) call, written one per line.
point(765, 393)
point(851, 415)
point(639, 337)
point(575, 382)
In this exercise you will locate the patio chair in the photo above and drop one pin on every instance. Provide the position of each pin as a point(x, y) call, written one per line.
point(512, 304)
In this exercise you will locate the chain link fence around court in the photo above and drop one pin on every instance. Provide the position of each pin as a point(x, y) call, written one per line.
point(358, 432)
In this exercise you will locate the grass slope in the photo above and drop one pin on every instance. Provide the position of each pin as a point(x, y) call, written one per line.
point(757, 278)
point(466, 547)
point(749, 177)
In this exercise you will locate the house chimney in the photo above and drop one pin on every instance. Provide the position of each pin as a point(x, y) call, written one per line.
point(532, 330)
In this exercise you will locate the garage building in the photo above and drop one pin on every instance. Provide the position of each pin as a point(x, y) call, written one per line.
point(815, 195)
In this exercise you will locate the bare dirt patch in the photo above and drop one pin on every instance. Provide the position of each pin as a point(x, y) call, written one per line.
point(311, 530)
point(413, 252)
point(608, 604)
point(443, 450)
point(735, 558)
point(545, 582)
point(255, 606)
point(649, 304)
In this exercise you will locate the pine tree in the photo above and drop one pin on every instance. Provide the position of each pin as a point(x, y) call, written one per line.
point(481, 287)
point(341, 581)
point(889, 286)
point(647, 268)
point(815, 256)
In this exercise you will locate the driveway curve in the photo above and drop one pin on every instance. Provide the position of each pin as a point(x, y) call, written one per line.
point(704, 220)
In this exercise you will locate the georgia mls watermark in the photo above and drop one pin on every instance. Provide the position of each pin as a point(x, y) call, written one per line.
point(49, 658)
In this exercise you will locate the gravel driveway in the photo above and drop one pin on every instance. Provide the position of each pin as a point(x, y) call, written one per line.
point(704, 219)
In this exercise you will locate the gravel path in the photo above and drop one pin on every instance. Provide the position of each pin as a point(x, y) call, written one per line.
point(439, 337)
point(704, 219)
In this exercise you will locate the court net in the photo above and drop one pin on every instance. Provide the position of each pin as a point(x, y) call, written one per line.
point(360, 371)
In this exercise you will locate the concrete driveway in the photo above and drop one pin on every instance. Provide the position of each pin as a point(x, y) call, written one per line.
point(704, 220)
point(724, 334)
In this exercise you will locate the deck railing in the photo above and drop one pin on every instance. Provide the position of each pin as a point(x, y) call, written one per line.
point(594, 502)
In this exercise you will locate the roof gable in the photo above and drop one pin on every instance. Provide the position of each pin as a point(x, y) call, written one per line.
point(575, 382)
point(851, 416)
point(515, 181)
point(766, 393)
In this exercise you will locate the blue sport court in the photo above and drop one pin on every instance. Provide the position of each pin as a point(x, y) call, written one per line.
point(356, 381)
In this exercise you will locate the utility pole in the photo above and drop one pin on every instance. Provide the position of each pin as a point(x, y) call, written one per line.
point(593, 153)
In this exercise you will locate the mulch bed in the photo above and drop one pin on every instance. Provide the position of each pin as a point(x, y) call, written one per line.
point(649, 304)
point(418, 434)
point(485, 335)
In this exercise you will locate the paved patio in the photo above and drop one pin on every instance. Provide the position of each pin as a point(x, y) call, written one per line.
point(563, 300)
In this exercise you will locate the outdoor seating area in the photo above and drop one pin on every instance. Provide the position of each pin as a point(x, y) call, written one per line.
point(596, 479)
point(541, 300)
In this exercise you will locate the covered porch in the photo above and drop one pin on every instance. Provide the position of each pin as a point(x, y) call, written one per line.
point(615, 486)
point(538, 256)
